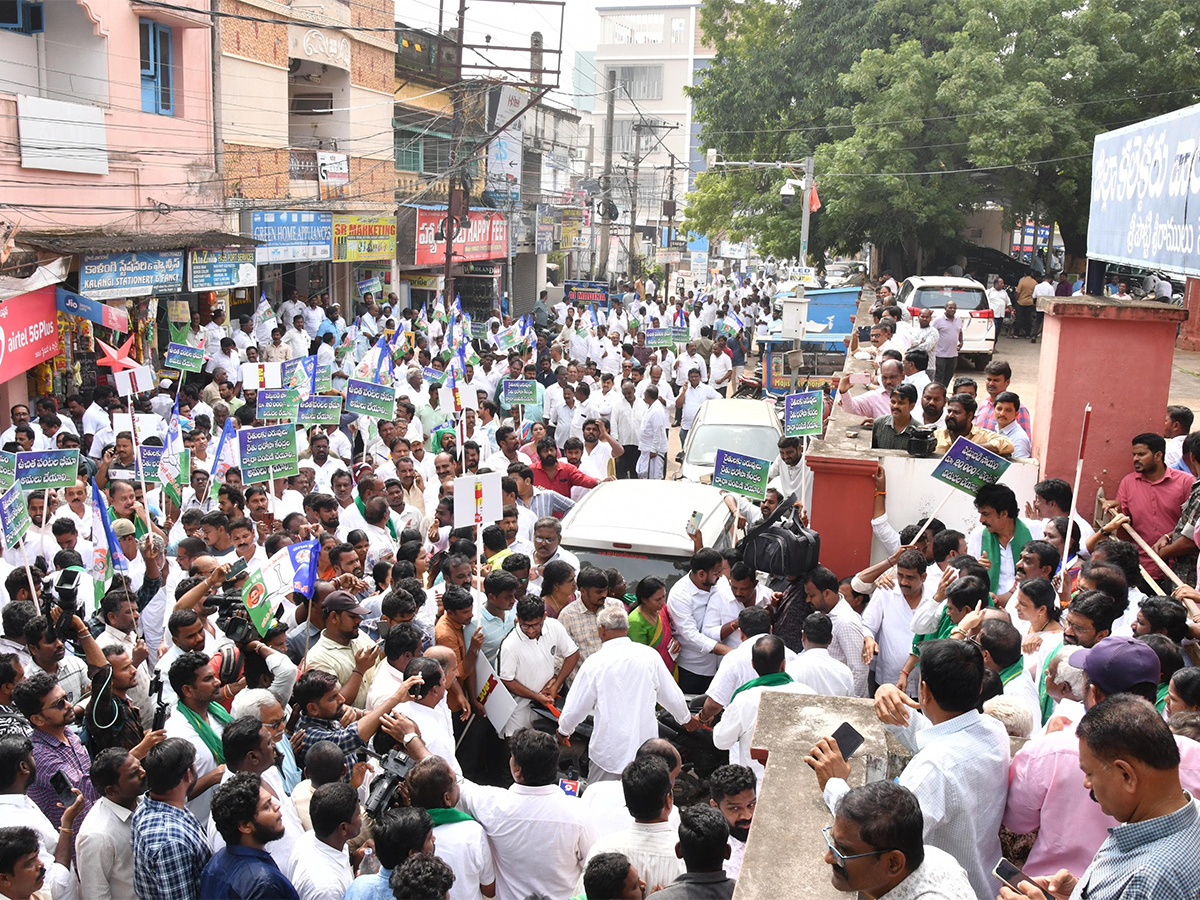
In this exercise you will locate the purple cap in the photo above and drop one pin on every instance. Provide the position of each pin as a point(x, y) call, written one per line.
point(1116, 664)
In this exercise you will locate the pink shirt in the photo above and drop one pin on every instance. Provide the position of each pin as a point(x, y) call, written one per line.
point(1045, 791)
point(874, 403)
point(1154, 507)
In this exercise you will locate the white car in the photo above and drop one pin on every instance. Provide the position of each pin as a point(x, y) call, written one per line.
point(640, 527)
point(747, 426)
point(979, 325)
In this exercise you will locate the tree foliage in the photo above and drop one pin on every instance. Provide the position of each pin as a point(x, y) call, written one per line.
point(920, 111)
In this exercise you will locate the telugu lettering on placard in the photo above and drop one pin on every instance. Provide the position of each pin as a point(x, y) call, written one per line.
point(741, 474)
point(14, 516)
point(968, 467)
point(803, 413)
point(365, 398)
point(320, 410)
point(43, 469)
point(518, 391)
point(268, 452)
point(184, 357)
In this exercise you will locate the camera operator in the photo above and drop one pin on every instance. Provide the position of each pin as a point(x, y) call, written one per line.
point(242, 655)
point(112, 718)
point(49, 653)
point(119, 613)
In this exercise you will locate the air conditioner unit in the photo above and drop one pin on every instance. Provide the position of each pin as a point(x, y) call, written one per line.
point(22, 17)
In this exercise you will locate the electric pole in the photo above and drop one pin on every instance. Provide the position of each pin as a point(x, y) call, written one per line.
point(606, 178)
point(670, 210)
point(456, 206)
point(806, 213)
point(633, 195)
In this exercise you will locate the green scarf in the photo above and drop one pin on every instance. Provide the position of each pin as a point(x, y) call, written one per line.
point(1160, 702)
point(202, 728)
point(448, 816)
point(362, 511)
point(1047, 700)
point(1007, 675)
point(991, 547)
point(945, 626)
point(764, 681)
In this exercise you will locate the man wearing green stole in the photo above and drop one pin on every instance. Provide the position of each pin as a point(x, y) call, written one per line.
point(1000, 537)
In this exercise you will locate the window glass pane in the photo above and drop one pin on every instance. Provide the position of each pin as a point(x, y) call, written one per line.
point(147, 46)
point(641, 82)
point(164, 70)
point(677, 30)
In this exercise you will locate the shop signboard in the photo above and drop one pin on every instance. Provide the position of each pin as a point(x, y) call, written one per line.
point(586, 292)
point(105, 314)
point(139, 274)
point(571, 234)
point(221, 270)
point(361, 238)
point(543, 241)
point(483, 237)
point(28, 332)
point(289, 236)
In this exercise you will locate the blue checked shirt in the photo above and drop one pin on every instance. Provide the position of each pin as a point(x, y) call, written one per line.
point(1151, 860)
point(169, 852)
point(317, 730)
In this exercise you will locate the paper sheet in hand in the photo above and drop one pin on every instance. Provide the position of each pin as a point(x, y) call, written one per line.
point(497, 702)
point(478, 500)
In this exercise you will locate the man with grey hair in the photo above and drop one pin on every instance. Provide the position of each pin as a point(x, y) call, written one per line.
point(620, 684)
point(264, 706)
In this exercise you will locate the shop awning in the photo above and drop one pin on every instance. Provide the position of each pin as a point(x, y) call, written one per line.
point(95, 243)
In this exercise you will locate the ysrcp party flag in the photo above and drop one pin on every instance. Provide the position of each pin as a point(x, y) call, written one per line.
point(106, 551)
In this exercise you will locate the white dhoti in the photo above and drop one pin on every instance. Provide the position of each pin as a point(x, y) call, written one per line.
point(650, 465)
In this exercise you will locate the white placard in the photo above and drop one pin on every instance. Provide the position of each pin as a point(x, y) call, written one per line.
point(148, 425)
point(134, 381)
point(497, 701)
point(260, 375)
point(478, 500)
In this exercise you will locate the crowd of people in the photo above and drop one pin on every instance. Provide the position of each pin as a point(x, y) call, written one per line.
point(157, 743)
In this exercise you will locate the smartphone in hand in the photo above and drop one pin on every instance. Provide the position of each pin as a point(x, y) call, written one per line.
point(848, 739)
point(1012, 876)
point(62, 786)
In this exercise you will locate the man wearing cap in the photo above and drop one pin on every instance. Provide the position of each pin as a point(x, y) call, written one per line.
point(341, 650)
point(1046, 790)
point(164, 401)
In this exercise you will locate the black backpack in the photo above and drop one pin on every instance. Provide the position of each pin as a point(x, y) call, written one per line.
point(779, 545)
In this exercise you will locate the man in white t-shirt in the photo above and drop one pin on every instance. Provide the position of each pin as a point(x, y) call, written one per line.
point(691, 398)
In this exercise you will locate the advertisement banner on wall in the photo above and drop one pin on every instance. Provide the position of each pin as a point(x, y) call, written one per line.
point(361, 238)
point(1144, 188)
point(28, 332)
point(93, 310)
point(571, 234)
point(485, 237)
point(221, 270)
point(506, 151)
point(141, 274)
point(289, 236)
point(333, 174)
point(543, 241)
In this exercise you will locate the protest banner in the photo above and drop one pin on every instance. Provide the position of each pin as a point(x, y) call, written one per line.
point(681, 334)
point(507, 338)
point(320, 410)
point(293, 569)
point(268, 452)
point(138, 380)
point(8, 469)
point(262, 375)
point(324, 377)
point(300, 374)
point(281, 403)
point(967, 467)
point(518, 391)
point(183, 357)
point(802, 413)
point(432, 375)
point(149, 458)
point(479, 331)
point(43, 469)
point(365, 398)
point(660, 337)
point(496, 699)
point(478, 500)
point(14, 515)
point(741, 474)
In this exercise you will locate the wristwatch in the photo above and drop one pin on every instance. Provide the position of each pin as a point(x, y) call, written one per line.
point(411, 736)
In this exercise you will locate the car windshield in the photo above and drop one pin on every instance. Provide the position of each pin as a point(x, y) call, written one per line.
point(753, 440)
point(635, 566)
point(967, 299)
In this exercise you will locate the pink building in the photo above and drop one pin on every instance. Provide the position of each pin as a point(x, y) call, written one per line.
point(106, 148)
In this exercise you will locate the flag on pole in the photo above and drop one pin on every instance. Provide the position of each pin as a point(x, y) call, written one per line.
point(292, 569)
point(171, 472)
point(225, 458)
point(106, 551)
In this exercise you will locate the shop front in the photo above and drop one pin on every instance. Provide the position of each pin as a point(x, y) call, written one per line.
point(364, 257)
point(477, 254)
point(294, 252)
point(30, 361)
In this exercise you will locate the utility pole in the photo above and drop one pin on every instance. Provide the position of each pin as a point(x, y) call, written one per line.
point(633, 195)
point(670, 226)
point(456, 207)
point(606, 178)
point(807, 211)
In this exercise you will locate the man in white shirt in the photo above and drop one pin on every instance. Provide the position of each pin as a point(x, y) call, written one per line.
point(691, 397)
point(652, 438)
point(997, 299)
point(619, 685)
point(959, 757)
point(320, 867)
point(424, 709)
point(649, 841)
point(198, 688)
point(787, 469)
point(687, 604)
point(848, 631)
point(720, 368)
point(736, 728)
point(529, 656)
point(686, 361)
point(539, 835)
point(815, 667)
point(728, 598)
point(890, 612)
point(1007, 405)
point(998, 532)
point(297, 338)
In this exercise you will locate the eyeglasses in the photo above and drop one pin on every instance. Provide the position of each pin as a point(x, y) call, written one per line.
point(839, 858)
point(60, 704)
point(277, 724)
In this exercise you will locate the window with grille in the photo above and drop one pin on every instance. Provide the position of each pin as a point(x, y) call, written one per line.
point(641, 82)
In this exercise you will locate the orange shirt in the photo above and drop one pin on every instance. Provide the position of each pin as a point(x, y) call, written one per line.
point(448, 634)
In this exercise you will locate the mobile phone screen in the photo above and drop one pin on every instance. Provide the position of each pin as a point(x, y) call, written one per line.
point(848, 739)
point(62, 787)
point(1012, 876)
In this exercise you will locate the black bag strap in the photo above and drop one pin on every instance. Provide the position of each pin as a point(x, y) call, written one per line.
point(785, 506)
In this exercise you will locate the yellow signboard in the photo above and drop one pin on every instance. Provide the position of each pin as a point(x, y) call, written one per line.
point(361, 238)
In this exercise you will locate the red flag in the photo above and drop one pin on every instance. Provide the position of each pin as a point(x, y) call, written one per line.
point(814, 202)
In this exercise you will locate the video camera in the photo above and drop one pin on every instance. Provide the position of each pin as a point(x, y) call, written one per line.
point(396, 766)
point(161, 709)
point(63, 593)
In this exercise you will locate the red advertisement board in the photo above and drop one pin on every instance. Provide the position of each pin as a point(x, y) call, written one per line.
point(28, 332)
point(486, 237)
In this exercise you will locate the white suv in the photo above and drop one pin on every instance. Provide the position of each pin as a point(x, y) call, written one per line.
point(979, 325)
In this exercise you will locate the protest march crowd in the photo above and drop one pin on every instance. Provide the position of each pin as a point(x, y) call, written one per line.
point(299, 625)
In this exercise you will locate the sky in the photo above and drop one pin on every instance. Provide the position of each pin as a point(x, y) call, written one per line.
point(510, 24)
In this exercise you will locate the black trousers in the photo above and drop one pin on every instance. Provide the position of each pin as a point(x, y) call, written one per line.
point(627, 463)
